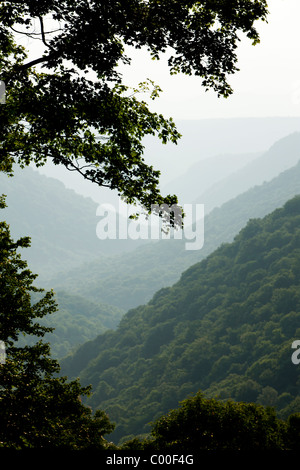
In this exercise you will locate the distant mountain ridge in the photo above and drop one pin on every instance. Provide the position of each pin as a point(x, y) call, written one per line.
point(283, 154)
point(206, 138)
point(206, 173)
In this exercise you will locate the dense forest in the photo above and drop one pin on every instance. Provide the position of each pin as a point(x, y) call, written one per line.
point(225, 328)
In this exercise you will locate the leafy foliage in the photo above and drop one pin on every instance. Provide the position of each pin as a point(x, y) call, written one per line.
point(212, 425)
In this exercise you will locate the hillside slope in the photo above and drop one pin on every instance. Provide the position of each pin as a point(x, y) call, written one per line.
point(225, 328)
point(76, 321)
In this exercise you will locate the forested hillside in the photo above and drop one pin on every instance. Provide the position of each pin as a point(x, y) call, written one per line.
point(130, 279)
point(226, 328)
point(76, 321)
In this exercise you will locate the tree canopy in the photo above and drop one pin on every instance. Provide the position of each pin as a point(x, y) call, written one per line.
point(212, 425)
point(70, 103)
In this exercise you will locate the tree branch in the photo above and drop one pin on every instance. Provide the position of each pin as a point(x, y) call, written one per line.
point(70, 166)
point(38, 61)
point(32, 33)
point(43, 32)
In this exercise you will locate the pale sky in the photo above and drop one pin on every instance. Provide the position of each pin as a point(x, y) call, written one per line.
point(268, 83)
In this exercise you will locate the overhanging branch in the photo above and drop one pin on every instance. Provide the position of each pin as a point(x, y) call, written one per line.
point(38, 61)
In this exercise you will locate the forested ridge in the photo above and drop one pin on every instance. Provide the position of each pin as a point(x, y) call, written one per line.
point(225, 328)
